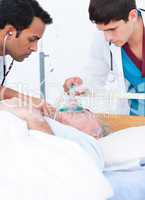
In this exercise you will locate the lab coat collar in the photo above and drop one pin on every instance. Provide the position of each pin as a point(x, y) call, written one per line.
point(142, 14)
point(117, 66)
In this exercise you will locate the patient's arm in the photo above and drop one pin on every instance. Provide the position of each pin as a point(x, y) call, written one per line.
point(32, 116)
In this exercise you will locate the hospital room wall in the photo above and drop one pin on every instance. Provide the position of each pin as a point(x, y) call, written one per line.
point(66, 41)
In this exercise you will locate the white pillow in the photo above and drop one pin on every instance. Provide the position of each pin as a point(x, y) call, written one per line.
point(124, 146)
point(121, 150)
point(88, 143)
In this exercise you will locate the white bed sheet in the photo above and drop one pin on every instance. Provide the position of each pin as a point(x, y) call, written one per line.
point(38, 166)
point(122, 150)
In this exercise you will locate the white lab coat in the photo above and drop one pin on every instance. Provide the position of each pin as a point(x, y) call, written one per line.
point(97, 70)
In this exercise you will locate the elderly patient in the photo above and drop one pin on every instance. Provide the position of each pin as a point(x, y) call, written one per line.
point(101, 151)
point(35, 165)
point(43, 160)
point(86, 121)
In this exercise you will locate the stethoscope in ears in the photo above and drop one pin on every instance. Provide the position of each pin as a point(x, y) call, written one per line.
point(5, 73)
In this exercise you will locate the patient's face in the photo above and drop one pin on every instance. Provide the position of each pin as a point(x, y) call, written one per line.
point(86, 122)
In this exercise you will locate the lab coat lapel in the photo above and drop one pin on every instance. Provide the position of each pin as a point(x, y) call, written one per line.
point(118, 68)
point(143, 16)
point(121, 104)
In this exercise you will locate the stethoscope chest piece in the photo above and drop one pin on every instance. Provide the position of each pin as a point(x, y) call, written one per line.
point(111, 77)
point(111, 82)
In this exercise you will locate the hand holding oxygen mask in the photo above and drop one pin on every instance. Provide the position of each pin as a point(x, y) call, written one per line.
point(73, 81)
point(71, 103)
point(73, 114)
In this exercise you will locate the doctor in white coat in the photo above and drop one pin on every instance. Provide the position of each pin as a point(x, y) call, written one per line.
point(118, 23)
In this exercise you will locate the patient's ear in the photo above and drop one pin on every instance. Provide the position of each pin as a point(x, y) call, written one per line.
point(105, 128)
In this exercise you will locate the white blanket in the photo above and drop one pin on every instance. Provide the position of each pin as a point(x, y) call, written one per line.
point(123, 150)
point(36, 166)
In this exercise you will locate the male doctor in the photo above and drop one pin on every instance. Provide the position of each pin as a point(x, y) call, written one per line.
point(22, 24)
point(118, 52)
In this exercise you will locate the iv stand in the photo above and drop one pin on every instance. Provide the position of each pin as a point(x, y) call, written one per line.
point(42, 57)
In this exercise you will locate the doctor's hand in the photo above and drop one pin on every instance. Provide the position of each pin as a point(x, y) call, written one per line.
point(84, 121)
point(76, 81)
point(45, 108)
point(39, 104)
point(32, 116)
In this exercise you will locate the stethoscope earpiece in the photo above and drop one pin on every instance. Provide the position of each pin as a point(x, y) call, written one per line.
point(5, 73)
point(10, 33)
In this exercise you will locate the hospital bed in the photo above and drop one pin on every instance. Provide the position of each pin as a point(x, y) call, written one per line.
point(129, 184)
point(126, 184)
point(118, 122)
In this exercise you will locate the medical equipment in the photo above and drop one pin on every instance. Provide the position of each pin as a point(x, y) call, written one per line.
point(5, 73)
point(42, 57)
point(71, 103)
point(111, 75)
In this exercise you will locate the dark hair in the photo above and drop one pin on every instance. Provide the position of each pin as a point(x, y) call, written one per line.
point(105, 11)
point(20, 13)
